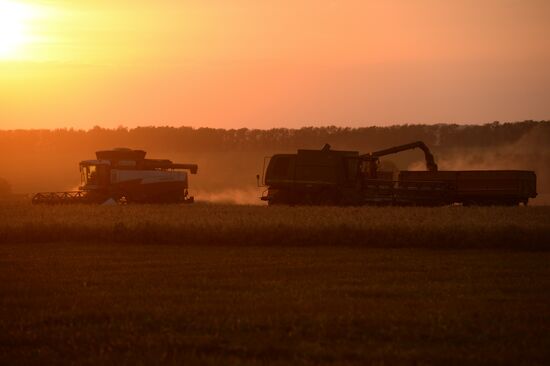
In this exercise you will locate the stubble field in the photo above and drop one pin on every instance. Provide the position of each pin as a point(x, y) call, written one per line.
point(215, 284)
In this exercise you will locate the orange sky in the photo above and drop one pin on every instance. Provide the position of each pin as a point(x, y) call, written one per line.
point(250, 63)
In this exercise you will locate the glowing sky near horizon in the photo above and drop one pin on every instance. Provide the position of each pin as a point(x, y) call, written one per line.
point(264, 64)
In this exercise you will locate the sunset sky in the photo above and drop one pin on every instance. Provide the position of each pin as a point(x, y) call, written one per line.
point(263, 64)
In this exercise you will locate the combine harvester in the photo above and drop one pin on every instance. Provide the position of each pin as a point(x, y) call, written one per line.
point(331, 177)
point(125, 176)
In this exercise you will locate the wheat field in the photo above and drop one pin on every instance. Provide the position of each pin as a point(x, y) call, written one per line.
point(211, 224)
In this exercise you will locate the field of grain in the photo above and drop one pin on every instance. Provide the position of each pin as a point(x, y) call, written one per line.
point(221, 284)
point(208, 224)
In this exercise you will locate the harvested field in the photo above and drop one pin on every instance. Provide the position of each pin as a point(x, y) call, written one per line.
point(86, 303)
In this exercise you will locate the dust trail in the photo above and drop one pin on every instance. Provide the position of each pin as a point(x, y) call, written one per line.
point(244, 196)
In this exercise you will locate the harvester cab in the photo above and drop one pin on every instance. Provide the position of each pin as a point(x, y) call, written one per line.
point(94, 174)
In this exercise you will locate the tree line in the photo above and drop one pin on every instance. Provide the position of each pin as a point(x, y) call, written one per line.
point(187, 139)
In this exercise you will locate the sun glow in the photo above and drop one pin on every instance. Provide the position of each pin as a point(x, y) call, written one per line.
point(15, 30)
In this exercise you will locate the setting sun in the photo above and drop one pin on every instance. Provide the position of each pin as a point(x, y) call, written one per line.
point(14, 27)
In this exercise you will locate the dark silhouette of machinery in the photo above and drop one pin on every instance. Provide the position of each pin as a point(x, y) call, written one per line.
point(335, 177)
point(125, 175)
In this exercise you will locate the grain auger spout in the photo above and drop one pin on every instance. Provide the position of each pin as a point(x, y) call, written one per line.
point(430, 161)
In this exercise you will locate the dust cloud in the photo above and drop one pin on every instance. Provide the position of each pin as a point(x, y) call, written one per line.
point(245, 196)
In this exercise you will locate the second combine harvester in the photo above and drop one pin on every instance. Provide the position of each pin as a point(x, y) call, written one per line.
point(125, 175)
point(335, 177)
